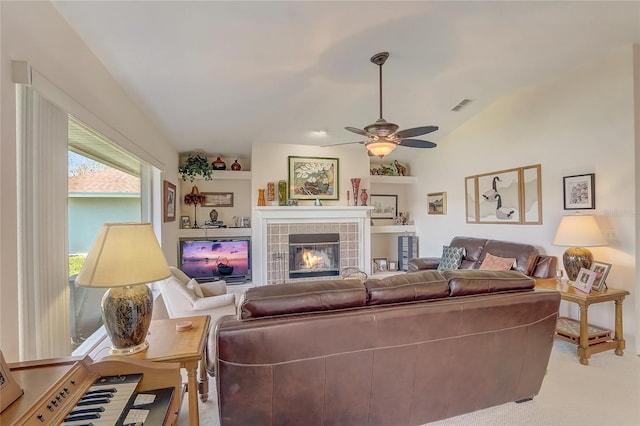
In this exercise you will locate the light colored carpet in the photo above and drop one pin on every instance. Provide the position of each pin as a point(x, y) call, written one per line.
point(606, 392)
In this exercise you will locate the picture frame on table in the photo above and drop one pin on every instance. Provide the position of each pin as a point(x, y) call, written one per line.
point(185, 222)
point(380, 264)
point(584, 280)
point(313, 178)
point(579, 192)
point(437, 202)
point(169, 198)
point(602, 270)
point(384, 206)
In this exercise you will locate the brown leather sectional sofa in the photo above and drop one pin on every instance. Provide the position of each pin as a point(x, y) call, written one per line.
point(528, 260)
point(404, 350)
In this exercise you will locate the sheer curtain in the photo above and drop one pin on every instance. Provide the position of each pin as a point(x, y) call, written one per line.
point(44, 323)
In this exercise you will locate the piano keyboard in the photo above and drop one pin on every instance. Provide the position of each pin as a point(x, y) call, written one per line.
point(106, 402)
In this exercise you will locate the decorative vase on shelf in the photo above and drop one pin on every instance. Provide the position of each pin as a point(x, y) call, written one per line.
point(271, 191)
point(355, 183)
point(236, 166)
point(282, 193)
point(364, 197)
point(261, 200)
point(218, 164)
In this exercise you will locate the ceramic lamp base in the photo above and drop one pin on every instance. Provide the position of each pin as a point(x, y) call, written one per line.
point(126, 313)
point(575, 258)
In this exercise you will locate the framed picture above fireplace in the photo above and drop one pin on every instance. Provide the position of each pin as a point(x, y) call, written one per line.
point(313, 178)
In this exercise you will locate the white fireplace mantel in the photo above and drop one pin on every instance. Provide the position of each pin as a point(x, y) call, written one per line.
point(266, 215)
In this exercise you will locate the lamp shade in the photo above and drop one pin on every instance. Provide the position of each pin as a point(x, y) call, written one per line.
point(579, 231)
point(124, 254)
point(381, 147)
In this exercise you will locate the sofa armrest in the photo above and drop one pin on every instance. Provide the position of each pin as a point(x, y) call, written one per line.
point(420, 263)
point(204, 303)
point(545, 267)
point(215, 288)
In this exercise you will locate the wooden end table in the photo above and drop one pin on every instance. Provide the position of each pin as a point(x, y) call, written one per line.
point(591, 339)
point(168, 345)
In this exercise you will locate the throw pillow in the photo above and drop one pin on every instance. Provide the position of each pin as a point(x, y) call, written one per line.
point(451, 258)
point(195, 287)
point(495, 263)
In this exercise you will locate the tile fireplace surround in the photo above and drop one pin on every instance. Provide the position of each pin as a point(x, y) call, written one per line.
point(272, 226)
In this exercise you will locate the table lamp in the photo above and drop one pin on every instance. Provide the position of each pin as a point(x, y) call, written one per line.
point(125, 257)
point(578, 231)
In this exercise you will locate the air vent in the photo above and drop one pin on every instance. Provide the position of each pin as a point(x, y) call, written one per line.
point(461, 105)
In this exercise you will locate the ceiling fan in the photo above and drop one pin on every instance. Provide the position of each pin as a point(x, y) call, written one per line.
point(383, 136)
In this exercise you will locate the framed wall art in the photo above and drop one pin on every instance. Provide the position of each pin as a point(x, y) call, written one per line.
point(169, 196)
point(437, 202)
point(218, 199)
point(579, 192)
point(602, 270)
point(512, 196)
point(313, 178)
point(384, 206)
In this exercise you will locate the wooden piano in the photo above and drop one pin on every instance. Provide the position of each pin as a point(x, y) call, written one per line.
point(54, 388)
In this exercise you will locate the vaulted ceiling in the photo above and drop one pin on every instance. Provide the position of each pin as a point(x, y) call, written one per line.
point(219, 76)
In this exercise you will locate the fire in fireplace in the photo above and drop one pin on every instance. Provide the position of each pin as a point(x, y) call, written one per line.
point(314, 255)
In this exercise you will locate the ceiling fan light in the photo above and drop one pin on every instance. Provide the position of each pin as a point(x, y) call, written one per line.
point(381, 147)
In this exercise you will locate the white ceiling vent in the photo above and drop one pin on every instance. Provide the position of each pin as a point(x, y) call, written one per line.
point(460, 105)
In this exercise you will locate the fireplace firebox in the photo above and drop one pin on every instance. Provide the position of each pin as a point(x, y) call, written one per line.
point(314, 255)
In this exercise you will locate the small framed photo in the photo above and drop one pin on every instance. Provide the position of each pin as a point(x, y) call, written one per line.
point(384, 206)
point(602, 270)
point(393, 265)
point(437, 203)
point(584, 280)
point(380, 264)
point(580, 192)
point(169, 194)
point(185, 222)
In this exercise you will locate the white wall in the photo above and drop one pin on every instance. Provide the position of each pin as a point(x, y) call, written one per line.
point(580, 122)
point(36, 33)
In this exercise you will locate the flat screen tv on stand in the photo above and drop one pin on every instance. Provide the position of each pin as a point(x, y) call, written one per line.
point(216, 259)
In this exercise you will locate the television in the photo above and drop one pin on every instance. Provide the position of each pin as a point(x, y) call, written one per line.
point(212, 259)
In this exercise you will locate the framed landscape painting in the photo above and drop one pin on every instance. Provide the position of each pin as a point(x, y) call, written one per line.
point(313, 178)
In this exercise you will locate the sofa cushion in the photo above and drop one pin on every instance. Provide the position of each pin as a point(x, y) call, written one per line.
point(451, 258)
point(473, 250)
point(496, 263)
point(312, 296)
point(473, 281)
point(181, 276)
point(195, 288)
point(406, 288)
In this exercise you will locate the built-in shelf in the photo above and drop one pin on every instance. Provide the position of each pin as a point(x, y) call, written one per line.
point(392, 229)
point(232, 174)
point(214, 233)
point(392, 179)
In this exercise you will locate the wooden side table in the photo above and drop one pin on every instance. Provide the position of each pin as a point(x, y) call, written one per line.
point(168, 345)
point(592, 340)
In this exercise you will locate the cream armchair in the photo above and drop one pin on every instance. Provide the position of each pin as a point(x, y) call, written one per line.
point(185, 297)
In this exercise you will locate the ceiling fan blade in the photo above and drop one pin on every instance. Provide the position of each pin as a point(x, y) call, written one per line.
point(344, 143)
point(358, 131)
point(415, 131)
point(417, 143)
